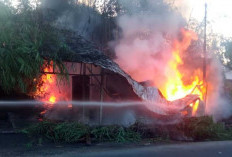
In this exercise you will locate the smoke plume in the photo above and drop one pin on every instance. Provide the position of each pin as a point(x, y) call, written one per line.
point(72, 16)
point(145, 48)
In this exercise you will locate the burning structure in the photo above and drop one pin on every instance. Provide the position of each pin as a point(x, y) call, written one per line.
point(158, 69)
point(93, 77)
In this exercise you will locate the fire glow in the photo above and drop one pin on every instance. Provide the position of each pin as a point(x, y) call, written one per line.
point(49, 91)
point(45, 92)
point(175, 88)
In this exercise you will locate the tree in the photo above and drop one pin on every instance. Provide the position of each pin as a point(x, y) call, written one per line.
point(24, 38)
point(226, 52)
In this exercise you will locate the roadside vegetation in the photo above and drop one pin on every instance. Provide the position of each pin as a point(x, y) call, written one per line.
point(190, 129)
point(204, 128)
point(74, 132)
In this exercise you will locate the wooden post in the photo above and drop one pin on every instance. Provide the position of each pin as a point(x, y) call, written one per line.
point(101, 95)
point(83, 90)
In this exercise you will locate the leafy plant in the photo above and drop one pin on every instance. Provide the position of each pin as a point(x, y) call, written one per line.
point(115, 133)
point(75, 132)
point(204, 128)
point(196, 128)
point(59, 132)
point(70, 132)
point(104, 133)
point(25, 43)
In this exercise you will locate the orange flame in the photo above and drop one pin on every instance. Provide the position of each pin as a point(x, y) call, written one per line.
point(48, 90)
point(175, 88)
point(195, 107)
point(45, 92)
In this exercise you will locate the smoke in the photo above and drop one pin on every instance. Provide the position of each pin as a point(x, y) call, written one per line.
point(217, 104)
point(144, 43)
point(145, 46)
point(77, 17)
point(148, 32)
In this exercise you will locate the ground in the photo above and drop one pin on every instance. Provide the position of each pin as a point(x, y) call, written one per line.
point(14, 145)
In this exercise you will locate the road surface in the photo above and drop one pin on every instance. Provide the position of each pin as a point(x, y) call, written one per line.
point(13, 145)
point(203, 149)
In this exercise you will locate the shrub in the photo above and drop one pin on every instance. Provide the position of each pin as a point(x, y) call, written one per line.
point(115, 133)
point(75, 132)
point(59, 132)
point(196, 128)
point(204, 128)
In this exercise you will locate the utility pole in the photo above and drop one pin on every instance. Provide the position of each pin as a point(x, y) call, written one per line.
point(205, 56)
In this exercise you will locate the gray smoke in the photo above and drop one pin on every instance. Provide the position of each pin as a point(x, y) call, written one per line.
point(145, 47)
point(147, 32)
point(218, 104)
point(73, 16)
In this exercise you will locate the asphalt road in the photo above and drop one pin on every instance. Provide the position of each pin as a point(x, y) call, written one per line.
point(14, 145)
point(203, 149)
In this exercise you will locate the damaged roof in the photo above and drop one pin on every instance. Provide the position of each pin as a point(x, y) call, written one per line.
point(84, 51)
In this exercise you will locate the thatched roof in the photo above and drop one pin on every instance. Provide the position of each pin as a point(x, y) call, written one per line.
point(84, 51)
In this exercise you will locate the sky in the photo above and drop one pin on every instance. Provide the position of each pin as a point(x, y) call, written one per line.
point(219, 13)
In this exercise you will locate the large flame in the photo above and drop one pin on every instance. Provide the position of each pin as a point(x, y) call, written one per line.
point(175, 88)
point(45, 92)
point(49, 92)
